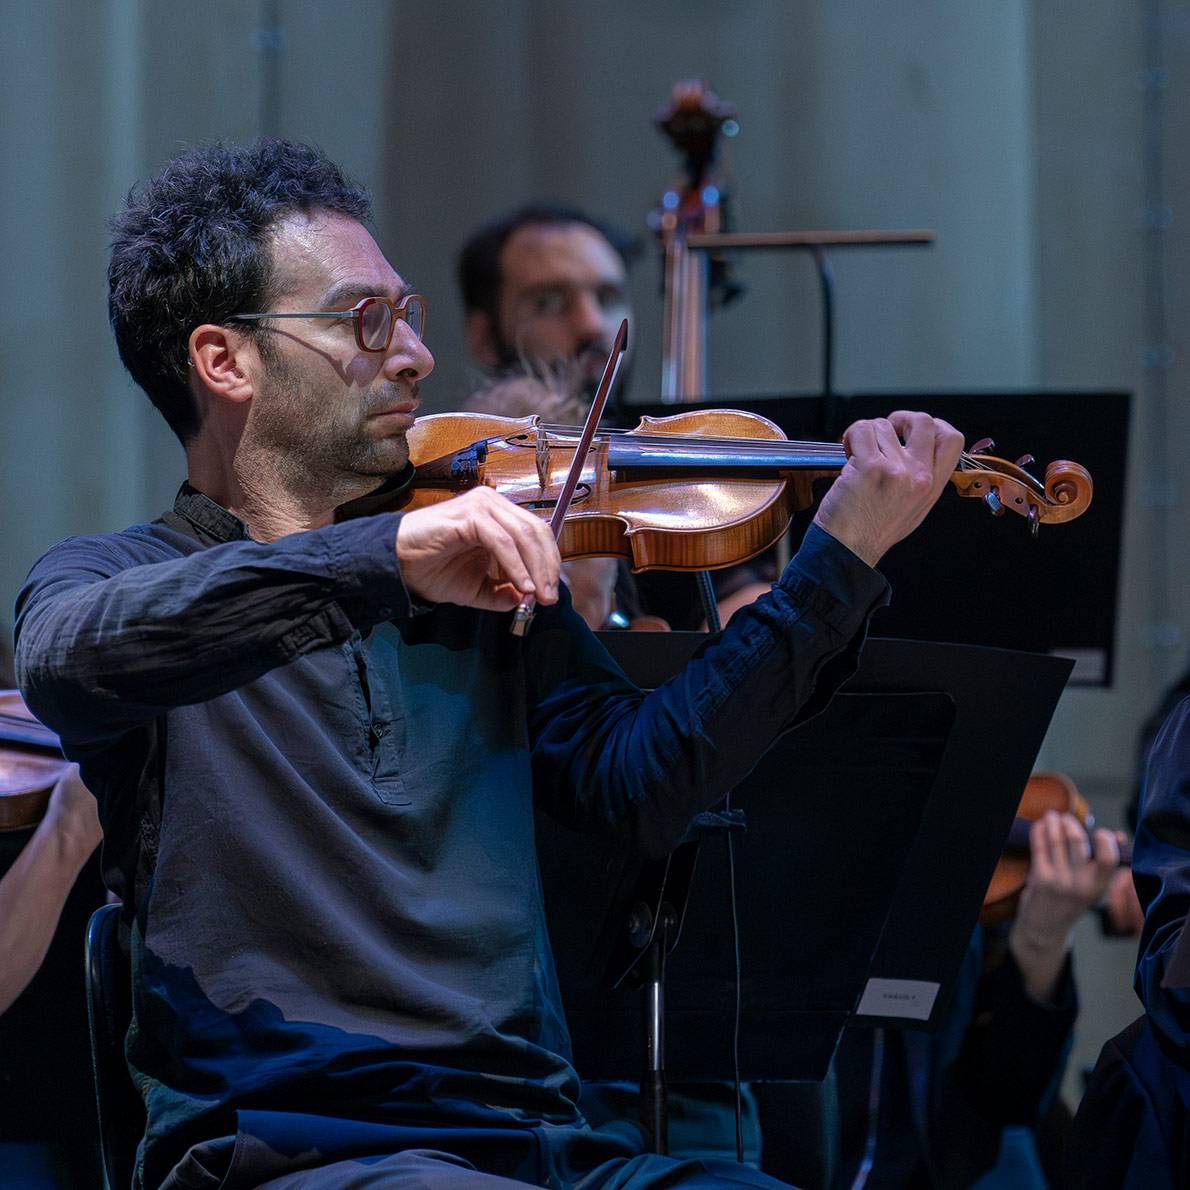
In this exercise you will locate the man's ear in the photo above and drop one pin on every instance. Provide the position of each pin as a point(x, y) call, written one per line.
point(222, 360)
point(481, 338)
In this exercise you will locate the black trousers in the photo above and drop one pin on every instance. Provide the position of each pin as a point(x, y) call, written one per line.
point(425, 1169)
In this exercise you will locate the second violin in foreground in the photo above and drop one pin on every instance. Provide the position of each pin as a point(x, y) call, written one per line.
point(696, 491)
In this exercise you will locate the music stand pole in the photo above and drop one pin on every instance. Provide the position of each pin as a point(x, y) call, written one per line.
point(651, 931)
point(653, 1088)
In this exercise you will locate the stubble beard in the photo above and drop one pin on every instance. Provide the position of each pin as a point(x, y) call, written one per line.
point(311, 442)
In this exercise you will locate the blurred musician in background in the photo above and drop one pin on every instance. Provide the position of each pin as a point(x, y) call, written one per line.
point(34, 888)
point(544, 289)
point(38, 879)
point(974, 1104)
point(966, 1106)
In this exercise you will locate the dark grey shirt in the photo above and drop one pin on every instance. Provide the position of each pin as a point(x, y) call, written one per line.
point(318, 801)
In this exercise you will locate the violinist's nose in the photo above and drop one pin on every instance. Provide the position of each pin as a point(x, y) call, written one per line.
point(588, 320)
point(407, 355)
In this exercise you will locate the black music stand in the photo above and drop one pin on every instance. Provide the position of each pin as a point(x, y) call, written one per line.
point(872, 832)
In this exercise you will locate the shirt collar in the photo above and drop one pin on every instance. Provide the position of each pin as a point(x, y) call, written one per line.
point(209, 519)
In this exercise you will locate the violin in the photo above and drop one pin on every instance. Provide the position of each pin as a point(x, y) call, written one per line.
point(698, 490)
point(1043, 791)
point(31, 764)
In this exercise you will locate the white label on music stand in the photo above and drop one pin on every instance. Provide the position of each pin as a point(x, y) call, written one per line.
point(909, 998)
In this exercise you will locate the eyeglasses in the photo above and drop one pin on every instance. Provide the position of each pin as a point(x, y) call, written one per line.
point(374, 319)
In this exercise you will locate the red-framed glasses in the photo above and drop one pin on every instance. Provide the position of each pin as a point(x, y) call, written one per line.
point(374, 319)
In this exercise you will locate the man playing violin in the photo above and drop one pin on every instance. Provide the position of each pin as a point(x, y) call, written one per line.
point(316, 745)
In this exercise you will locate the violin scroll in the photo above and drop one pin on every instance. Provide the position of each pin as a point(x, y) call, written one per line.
point(1003, 486)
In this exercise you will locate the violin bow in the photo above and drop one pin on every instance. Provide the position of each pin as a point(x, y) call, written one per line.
point(523, 616)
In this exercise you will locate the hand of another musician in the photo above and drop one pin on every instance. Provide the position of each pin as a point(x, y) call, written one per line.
point(72, 814)
point(34, 889)
point(1121, 905)
point(1068, 874)
point(896, 468)
point(449, 551)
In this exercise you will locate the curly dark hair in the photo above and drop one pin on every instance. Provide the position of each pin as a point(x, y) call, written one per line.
point(478, 267)
point(191, 246)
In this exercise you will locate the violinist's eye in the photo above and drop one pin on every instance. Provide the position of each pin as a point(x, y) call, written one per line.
point(550, 303)
point(611, 297)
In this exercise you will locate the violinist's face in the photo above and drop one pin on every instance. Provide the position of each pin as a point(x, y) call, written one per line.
point(336, 414)
point(562, 298)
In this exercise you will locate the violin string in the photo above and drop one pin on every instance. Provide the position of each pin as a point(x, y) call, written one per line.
point(716, 445)
point(778, 448)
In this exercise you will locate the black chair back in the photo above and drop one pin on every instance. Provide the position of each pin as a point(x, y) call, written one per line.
point(109, 1009)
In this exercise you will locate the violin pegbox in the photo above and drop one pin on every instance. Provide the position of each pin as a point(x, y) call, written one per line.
point(1004, 487)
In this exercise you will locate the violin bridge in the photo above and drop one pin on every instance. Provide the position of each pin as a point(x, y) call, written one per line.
point(541, 456)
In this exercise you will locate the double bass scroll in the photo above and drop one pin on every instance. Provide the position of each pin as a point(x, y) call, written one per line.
point(692, 225)
point(693, 120)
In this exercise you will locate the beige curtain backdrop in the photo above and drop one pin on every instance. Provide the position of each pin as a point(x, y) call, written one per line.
point(1015, 130)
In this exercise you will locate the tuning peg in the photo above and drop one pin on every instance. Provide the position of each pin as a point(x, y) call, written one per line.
point(982, 447)
point(992, 500)
point(1034, 520)
point(1024, 460)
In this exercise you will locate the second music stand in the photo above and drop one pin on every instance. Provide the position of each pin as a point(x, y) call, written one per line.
point(872, 832)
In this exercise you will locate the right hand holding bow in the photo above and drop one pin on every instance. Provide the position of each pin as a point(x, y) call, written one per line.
point(447, 552)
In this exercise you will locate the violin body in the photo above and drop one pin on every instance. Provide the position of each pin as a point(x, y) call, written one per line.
point(653, 517)
point(30, 764)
